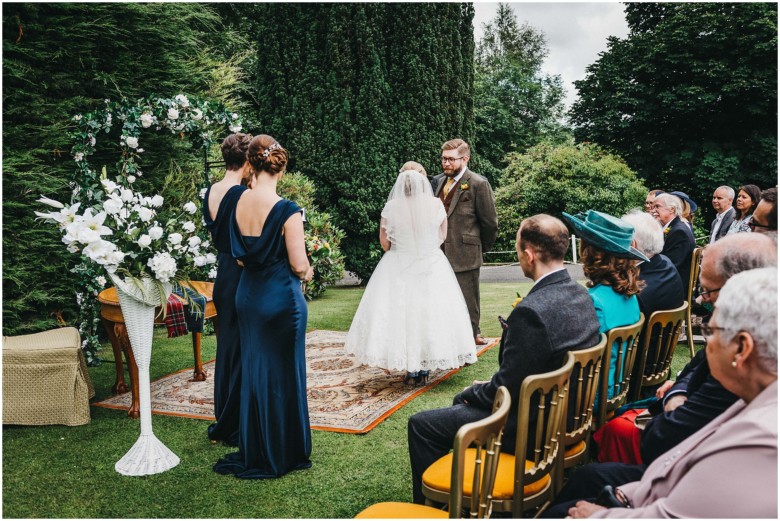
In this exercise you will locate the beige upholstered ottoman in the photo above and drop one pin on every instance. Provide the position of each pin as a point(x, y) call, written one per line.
point(45, 379)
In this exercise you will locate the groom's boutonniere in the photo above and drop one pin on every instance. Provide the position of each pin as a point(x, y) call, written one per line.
point(517, 301)
point(666, 231)
point(464, 186)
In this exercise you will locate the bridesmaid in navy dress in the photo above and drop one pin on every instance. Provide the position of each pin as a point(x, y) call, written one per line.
point(266, 235)
point(218, 205)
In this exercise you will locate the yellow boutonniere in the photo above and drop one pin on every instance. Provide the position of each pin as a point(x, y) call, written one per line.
point(518, 300)
point(666, 231)
point(464, 185)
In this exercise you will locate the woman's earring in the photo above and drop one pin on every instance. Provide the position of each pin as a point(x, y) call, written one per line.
point(733, 363)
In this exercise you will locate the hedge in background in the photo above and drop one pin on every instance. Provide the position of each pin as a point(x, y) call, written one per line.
point(64, 59)
point(354, 91)
point(571, 178)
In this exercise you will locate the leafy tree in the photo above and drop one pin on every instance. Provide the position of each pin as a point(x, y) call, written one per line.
point(61, 59)
point(553, 179)
point(516, 105)
point(689, 98)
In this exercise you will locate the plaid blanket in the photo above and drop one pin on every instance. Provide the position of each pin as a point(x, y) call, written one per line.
point(179, 320)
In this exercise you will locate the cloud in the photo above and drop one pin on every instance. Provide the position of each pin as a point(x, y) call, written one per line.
point(576, 33)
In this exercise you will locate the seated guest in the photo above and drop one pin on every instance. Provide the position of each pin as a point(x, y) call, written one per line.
point(687, 404)
point(689, 207)
point(663, 287)
point(765, 215)
point(556, 316)
point(609, 263)
point(748, 197)
point(678, 242)
point(728, 469)
point(721, 202)
point(651, 198)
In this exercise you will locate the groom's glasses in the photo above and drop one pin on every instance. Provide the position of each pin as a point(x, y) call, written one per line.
point(450, 159)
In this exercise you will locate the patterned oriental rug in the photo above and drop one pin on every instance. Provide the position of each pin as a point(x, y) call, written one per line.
point(343, 397)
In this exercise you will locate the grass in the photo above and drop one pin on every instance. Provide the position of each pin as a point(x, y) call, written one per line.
point(65, 472)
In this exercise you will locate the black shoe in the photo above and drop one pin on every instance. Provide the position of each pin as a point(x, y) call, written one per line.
point(421, 378)
point(411, 376)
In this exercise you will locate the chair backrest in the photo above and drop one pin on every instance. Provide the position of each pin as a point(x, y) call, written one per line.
point(546, 395)
point(695, 268)
point(614, 394)
point(659, 341)
point(582, 391)
point(485, 435)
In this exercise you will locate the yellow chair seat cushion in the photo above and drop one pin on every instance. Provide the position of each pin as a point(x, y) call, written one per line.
point(575, 449)
point(394, 510)
point(439, 475)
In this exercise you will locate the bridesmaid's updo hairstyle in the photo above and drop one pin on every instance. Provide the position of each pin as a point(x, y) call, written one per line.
point(266, 154)
point(234, 149)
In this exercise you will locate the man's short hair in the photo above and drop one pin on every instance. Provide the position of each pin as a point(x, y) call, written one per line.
point(729, 191)
point(742, 252)
point(648, 234)
point(770, 196)
point(547, 236)
point(672, 202)
point(457, 144)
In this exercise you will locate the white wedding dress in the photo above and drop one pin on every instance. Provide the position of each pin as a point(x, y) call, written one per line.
point(412, 316)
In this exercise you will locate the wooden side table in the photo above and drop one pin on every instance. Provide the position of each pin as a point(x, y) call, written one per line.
point(114, 323)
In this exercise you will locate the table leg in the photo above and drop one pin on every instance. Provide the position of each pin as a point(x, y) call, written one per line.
point(119, 387)
point(198, 374)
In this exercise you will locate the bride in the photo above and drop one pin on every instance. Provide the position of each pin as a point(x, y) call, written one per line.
point(412, 316)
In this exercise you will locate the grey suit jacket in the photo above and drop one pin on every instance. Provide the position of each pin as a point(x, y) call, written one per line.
point(728, 218)
point(728, 469)
point(471, 221)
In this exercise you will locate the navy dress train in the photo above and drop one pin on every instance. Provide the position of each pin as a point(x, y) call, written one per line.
point(274, 434)
point(227, 374)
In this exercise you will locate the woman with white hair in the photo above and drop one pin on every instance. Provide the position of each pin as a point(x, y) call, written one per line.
point(728, 469)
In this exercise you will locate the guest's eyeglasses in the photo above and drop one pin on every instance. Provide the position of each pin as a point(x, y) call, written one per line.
point(702, 291)
point(709, 330)
point(450, 159)
point(753, 225)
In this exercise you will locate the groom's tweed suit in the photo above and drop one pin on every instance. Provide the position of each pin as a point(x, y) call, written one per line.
point(471, 230)
point(557, 316)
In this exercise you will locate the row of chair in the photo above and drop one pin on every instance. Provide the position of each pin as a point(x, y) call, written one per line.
point(480, 479)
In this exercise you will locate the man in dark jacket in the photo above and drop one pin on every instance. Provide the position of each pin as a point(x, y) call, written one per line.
point(557, 316)
point(679, 242)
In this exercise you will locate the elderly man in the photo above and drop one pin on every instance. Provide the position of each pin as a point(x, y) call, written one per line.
point(557, 316)
point(695, 398)
point(650, 199)
point(721, 201)
point(765, 215)
point(663, 286)
point(679, 242)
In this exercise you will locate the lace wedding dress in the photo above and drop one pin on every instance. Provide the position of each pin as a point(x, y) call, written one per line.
point(413, 316)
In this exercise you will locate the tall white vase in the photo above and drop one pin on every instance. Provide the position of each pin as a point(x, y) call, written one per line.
point(148, 455)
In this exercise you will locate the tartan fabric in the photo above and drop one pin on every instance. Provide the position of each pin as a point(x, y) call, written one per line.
point(193, 314)
point(175, 319)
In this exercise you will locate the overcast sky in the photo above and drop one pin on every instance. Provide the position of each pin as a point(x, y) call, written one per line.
point(576, 32)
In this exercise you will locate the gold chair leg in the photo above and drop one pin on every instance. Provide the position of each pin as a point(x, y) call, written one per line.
point(689, 331)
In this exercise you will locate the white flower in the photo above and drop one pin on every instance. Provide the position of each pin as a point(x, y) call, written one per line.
point(155, 232)
point(190, 207)
point(132, 142)
point(163, 266)
point(109, 185)
point(202, 193)
point(77, 117)
point(78, 157)
point(211, 258)
point(182, 100)
point(146, 120)
point(175, 238)
point(145, 214)
point(206, 244)
point(144, 241)
point(234, 116)
point(235, 128)
point(101, 280)
point(197, 114)
point(108, 119)
point(50, 202)
point(98, 251)
point(213, 273)
point(194, 241)
point(189, 226)
point(131, 178)
point(140, 150)
point(157, 201)
point(112, 205)
point(173, 114)
point(126, 195)
point(92, 140)
point(199, 261)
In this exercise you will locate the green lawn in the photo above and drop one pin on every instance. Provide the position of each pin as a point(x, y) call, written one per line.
point(69, 471)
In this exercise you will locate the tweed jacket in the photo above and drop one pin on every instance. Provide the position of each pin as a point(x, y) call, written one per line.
point(728, 469)
point(678, 246)
point(471, 220)
point(728, 218)
point(556, 317)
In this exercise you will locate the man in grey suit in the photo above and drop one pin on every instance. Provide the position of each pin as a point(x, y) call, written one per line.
point(471, 222)
point(557, 316)
point(721, 201)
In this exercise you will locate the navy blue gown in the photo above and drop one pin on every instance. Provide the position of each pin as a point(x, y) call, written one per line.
point(274, 433)
point(227, 374)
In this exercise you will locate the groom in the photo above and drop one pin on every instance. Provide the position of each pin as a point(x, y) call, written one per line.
point(471, 222)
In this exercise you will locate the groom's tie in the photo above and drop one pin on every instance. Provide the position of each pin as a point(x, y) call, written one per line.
point(448, 185)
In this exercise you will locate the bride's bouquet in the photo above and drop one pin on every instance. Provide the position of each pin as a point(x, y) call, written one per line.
point(130, 235)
